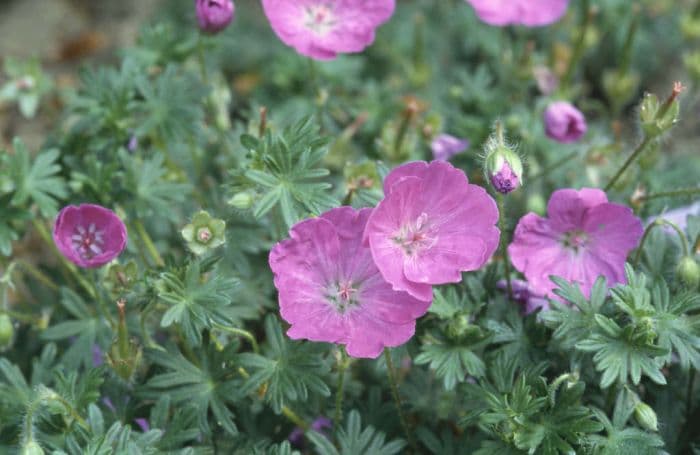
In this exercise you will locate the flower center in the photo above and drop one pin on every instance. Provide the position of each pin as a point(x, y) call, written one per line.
point(575, 240)
point(319, 18)
point(415, 236)
point(342, 295)
point(204, 235)
point(88, 242)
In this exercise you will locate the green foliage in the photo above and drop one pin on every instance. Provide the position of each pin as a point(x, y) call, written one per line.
point(288, 372)
point(284, 171)
point(353, 439)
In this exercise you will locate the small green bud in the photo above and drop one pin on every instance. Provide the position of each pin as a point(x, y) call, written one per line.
point(7, 332)
point(31, 447)
point(204, 233)
point(620, 88)
point(658, 118)
point(645, 416)
point(688, 272)
point(124, 355)
point(242, 201)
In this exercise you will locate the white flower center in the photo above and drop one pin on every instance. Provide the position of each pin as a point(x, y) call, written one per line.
point(575, 240)
point(342, 295)
point(88, 242)
point(319, 18)
point(416, 236)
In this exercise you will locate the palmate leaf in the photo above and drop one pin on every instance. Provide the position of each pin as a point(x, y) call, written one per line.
point(621, 440)
point(287, 173)
point(353, 440)
point(195, 304)
point(289, 371)
point(207, 387)
point(451, 362)
point(34, 179)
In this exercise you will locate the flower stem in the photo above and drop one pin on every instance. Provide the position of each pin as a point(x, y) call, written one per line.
point(38, 274)
point(504, 241)
point(638, 151)
point(148, 243)
point(552, 167)
point(391, 373)
point(675, 193)
point(661, 222)
point(240, 332)
point(342, 365)
point(294, 418)
point(586, 19)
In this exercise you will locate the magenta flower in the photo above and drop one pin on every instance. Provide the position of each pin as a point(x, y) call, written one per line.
point(431, 226)
point(330, 290)
point(321, 29)
point(89, 235)
point(445, 146)
point(563, 122)
point(214, 15)
point(505, 180)
point(532, 13)
point(584, 237)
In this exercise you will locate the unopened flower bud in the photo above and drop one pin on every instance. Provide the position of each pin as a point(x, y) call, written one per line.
point(620, 87)
point(658, 118)
point(503, 166)
point(688, 272)
point(214, 15)
point(645, 416)
point(204, 233)
point(241, 201)
point(564, 123)
point(125, 355)
point(7, 332)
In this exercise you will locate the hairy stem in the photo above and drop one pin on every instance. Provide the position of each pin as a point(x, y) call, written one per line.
point(391, 373)
point(675, 193)
point(342, 365)
point(638, 151)
point(504, 241)
point(240, 332)
point(148, 243)
point(647, 231)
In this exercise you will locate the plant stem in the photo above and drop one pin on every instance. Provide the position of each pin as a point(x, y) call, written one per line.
point(44, 233)
point(689, 396)
point(638, 151)
point(675, 193)
point(586, 20)
point(38, 274)
point(240, 332)
point(294, 418)
point(647, 231)
point(391, 373)
point(148, 243)
point(552, 167)
point(504, 241)
point(342, 364)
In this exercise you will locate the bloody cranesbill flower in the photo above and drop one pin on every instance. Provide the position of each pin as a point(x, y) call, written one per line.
point(431, 226)
point(214, 15)
point(585, 236)
point(321, 29)
point(330, 290)
point(445, 146)
point(89, 235)
point(563, 122)
point(531, 13)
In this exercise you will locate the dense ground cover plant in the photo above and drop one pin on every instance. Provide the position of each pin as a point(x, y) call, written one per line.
point(457, 238)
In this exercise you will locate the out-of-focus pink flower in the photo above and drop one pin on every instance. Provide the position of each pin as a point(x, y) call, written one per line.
point(564, 123)
point(143, 424)
point(445, 146)
point(523, 293)
point(322, 29)
point(431, 226)
point(532, 13)
point(319, 425)
point(214, 15)
point(585, 236)
point(330, 289)
point(89, 235)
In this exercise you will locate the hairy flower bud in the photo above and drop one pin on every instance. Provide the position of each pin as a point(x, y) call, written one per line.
point(503, 166)
point(657, 118)
point(204, 233)
point(242, 201)
point(688, 272)
point(214, 15)
point(645, 416)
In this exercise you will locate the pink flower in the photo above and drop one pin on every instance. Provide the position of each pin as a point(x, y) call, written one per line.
point(89, 235)
point(445, 146)
point(214, 15)
point(505, 180)
point(584, 237)
point(563, 122)
point(321, 29)
point(431, 226)
point(531, 13)
point(330, 290)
